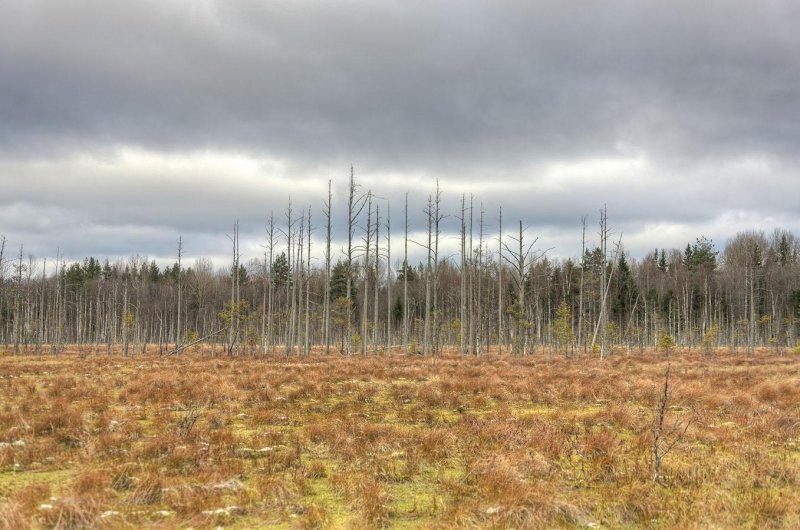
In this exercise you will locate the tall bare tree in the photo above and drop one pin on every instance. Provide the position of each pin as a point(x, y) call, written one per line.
point(367, 244)
point(307, 334)
point(405, 280)
point(326, 303)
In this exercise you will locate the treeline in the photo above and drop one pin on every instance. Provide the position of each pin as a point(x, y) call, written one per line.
point(501, 293)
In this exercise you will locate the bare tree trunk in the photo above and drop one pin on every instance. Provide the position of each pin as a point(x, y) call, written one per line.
point(427, 331)
point(367, 243)
point(580, 291)
point(388, 279)
point(299, 273)
point(375, 308)
point(326, 309)
point(518, 260)
point(436, 219)
point(479, 312)
point(18, 305)
point(605, 282)
point(604, 251)
point(233, 329)
point(463, 278)
point(308, 288)
point(500, 285)
point(471, 285)
point(354, 208)
point(125, 324)
point(405, 280)
point(264, 306)
point(290, 284)
point(40, 334)
point(180, 293)
point(270, 282)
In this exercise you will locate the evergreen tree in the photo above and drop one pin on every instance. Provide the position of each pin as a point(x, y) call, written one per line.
point(280, 271)
point(339, 281)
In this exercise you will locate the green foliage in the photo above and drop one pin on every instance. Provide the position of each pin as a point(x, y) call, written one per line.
point(339, 311)
point(173, 272)
point(457, 329)
point(339, 281)
point(355, 342)
point(701, 255)
point(666, 344)
point(280, 271)
point(397, 309)
point(521, 326)
point(243, 276)
point(153, 274)
point(627, 292)
point(128, 323)
point(710, 339)
point(406, 271)
point(192, 336)
point(662, 261)
point(233, 312)
point(784, 251)
point(562, 327)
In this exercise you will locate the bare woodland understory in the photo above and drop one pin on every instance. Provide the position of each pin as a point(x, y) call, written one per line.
point(501, 292)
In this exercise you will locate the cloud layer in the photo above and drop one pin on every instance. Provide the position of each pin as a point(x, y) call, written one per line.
point(124, 124)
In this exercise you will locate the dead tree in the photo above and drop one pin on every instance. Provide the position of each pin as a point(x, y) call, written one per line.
point(290, 284)
point(405, 280)
point(233, 317)
point(463, 280)
point(520, 261)
point(18, 304)
point(270, 282)
point(375, 304)
point(388, 279)
point(299, 273)
point(471, 283)
point(500, 283)
point(180, 293)
point(479, 308)
point(437, 218)
point(307, 336)
point(664, 439)
point(326, 301)
point(580, 291)
point(367, 244)
point(355, 205)
point(605, 282)
point(426, 336)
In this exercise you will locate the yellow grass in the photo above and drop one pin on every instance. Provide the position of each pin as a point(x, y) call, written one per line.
point(402, 441)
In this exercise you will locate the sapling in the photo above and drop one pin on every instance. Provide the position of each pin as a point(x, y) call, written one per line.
point(664, 439)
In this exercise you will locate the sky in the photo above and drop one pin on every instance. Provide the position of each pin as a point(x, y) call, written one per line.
point(125, 125)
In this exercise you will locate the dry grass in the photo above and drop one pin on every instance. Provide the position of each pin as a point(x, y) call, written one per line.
point(494, 442)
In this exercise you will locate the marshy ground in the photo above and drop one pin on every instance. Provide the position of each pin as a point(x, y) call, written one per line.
point(403, 441)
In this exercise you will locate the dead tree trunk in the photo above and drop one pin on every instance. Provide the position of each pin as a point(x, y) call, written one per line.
point(365, 307)
point(308, 287)
point(326, 302)
point(405, 280)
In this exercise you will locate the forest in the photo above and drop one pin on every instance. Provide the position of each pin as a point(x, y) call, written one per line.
point(501, 293)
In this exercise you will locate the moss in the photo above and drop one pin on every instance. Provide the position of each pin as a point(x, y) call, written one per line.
point(58, 480)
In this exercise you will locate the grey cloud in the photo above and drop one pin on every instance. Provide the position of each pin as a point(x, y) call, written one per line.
point(463, 87)
point(487, 96)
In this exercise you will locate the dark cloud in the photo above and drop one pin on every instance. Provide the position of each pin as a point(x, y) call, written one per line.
point(149, 119)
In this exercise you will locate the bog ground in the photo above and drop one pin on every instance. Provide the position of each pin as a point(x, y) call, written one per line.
point(406, 442)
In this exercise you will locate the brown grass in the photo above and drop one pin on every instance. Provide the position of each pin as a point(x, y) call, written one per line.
point(489, 442)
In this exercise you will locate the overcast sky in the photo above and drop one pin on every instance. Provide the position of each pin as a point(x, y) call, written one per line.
point(126, 124)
